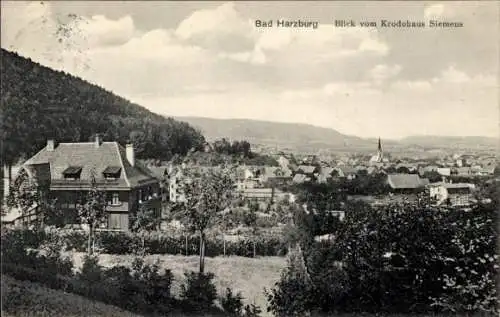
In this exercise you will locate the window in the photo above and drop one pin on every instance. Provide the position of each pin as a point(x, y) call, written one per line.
point(118, 221)
point(112, 172)
point(115, 199)
point(72, 172)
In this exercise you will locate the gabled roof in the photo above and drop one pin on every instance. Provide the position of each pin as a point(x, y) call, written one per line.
point(453, 185)
point(159, 171)
point(299, 178)
point(327, 171)
point(346, 170)
point(406, 181)
point(92, 159)
point(463, 170)
point(307, 169)
point(444, 171)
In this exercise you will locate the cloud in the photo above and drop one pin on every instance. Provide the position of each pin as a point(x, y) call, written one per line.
point(433, 11)
point(222, 28)
point(452, 75)
point(416, 85)
point(102, 31)
point(214, 62)
point(380, 73)
point(373, 45)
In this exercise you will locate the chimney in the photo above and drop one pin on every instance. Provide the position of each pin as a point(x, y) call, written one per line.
point(6, 179)
point(97, 141)
point(50, 145)
point(129, 150)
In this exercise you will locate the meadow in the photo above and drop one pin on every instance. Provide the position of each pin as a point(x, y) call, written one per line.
point(246, 275)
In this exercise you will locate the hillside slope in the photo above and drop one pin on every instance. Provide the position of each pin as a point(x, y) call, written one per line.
point(292, 135)
point(39, 103)
point(22, 298)
point(471, 142)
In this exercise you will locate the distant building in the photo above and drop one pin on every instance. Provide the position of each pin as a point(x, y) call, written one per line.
point(283, 162)
point(345, 172)
point(406, 182)
point(300, 178)
point(444, 171)
point(308, 170)
point(458, 194)
point(263, 194)
point(379, 157)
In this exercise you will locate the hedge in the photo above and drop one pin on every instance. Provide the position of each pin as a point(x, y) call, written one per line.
point(154, 243)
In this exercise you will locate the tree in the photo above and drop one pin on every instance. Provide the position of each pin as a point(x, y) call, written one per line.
point(32, 199)
point(145, 221)
point(432, 176)
point(92, 210)
point(250, 220)
point(207, 193)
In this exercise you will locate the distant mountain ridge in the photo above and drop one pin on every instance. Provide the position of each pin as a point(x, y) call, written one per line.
point(306, 136)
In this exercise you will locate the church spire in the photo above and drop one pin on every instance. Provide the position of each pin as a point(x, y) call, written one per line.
point(379, 145)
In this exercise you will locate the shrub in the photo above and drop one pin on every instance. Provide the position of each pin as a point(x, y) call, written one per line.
point(153, 286)
point(402, 258)
point(198, 293)
point(232, 303)
point(252, 310)
point(91, 272)
point(155, 243)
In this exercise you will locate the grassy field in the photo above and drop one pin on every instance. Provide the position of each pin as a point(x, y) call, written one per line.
point(250, 276)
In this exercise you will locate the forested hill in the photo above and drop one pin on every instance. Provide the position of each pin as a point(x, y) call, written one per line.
point(39, 103)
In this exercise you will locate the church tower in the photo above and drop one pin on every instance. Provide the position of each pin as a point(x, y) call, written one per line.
point(380, 154)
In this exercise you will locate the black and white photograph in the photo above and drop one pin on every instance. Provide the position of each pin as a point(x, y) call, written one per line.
point(250, 158)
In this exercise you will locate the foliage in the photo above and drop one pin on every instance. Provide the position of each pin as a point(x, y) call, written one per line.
point(142, 288)
point(198, 293)
point(92, 210)
point(252, 310)
point(32, 199)
point(232, 303)
point(374, 184)
point(223, 146)
point(400, 258)
point(293, 293)
point(39, 103)
point(146, 220)
point(432, 176)
point(154, 243)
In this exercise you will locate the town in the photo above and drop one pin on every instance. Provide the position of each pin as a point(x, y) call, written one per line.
point(130, 183)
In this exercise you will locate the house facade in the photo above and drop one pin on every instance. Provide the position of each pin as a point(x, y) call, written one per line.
point(68, 169)
point(458, 194)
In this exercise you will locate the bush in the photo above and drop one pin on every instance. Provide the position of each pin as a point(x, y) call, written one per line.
point(398, 259)
point(290, 297)
point(91, 271)
point(252, 310)
point(153, 286)
point(198, 293)
point(142, 288)
point(232, 303)
point(155, 243)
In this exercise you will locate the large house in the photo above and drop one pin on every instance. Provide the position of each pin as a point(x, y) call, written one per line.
point(69, 167)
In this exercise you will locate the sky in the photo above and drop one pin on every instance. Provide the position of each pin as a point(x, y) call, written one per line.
point(209, 59)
